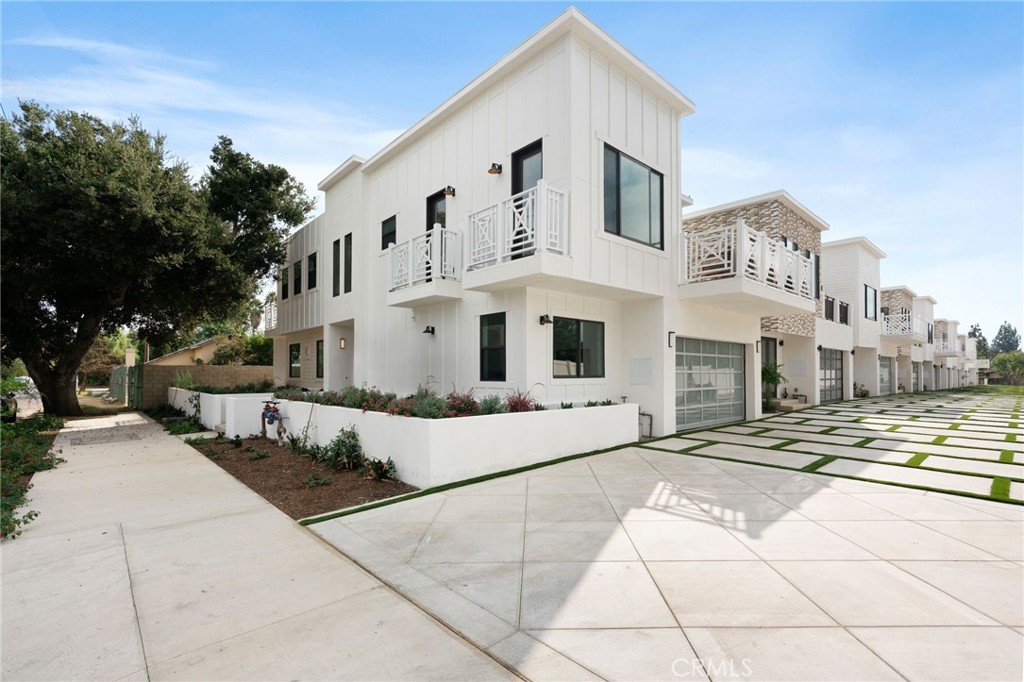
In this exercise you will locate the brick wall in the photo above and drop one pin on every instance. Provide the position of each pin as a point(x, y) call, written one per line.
point(156, 379)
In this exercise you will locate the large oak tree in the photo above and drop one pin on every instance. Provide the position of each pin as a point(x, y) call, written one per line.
point(103, 229)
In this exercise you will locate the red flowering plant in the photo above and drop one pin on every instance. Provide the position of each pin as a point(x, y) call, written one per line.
point(461, 404)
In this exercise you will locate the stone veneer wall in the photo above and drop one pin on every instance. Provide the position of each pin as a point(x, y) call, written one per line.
point(777, 220)
point(896, 300)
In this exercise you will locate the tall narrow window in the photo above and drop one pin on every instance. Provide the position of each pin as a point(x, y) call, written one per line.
point(284, 283)
point(297, 277)
point(320, 359)
point(295, 360)
point(578, 348)
point(311, 271)
point(436, 210)
point(870, 303)
point(492, 347)
point(527, 167)
point(632, 199)
point(830, 308)
point(336, 267)
point(388, 232)
point(348, 262)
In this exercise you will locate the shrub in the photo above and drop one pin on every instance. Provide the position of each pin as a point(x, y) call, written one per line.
point(461, 404)
point(492, 404)
point(520, 401)
point(405, 407)
point(378, 470)
point(314, 479)
point(259, 454)
point(344, 450)
point(605, 403)
point(265, 386)
point(566, 406)
point(184, 379)
point(430, 406)
point(375, 400)
point(180, 428)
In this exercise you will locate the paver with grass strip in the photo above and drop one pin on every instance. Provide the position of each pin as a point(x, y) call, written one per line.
point(939, 440)
point(1006, 456)
point(1001, 488)
point(814, 466)
point(917, 459)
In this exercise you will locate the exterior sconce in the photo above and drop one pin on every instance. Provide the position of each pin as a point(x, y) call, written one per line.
point(546, 319)
point(342, 343)
point(495, 169)
point(449, 191)
point(853, 351)
point(819, 346)
point(671, 339)
point(757, 346)
point(429, 330)
point(782, 342)
point(879, 356)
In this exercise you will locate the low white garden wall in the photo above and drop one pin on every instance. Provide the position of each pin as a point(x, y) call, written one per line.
point(431, 452)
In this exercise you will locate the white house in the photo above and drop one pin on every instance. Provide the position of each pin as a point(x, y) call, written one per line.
point(908, 336)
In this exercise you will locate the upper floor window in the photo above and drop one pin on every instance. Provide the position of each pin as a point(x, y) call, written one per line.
point(348, 262)
point(436, 211)
point(844, 313)
point(492, 347)
point(578, 348)
point(336, 267)
point(297, 277)
point(388, 232)
point(284, 283)
point(870, 303)
point(632, 199)
point(830, 308)
point(295, 360)
point(311, 271)
point(527, 167)
point(931, 337)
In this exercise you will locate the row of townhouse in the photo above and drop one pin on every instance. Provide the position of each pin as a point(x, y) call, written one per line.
point(530, 234)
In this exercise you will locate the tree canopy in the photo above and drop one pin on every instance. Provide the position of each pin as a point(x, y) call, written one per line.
point(1010, 366)
point(1006, 339)
point(982, 342)
point(103, 229)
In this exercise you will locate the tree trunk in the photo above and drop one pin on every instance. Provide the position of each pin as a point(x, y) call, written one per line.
point(57, 390)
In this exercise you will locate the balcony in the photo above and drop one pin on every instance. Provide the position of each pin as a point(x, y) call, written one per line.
point(523, 240)
point(270, 317)
point(944, 348)
point(426, 269)
point(904, 328)
point(743, 269)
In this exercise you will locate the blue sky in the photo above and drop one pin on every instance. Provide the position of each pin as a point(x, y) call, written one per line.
point(901, 122)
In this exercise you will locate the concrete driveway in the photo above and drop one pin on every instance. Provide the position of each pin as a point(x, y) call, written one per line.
point(715, 556)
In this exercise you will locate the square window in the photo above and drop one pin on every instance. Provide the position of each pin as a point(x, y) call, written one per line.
point(633, 195)
point(578, 348)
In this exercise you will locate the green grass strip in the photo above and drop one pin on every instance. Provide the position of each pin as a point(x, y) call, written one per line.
point(939, 440)
point(1001, 488)
point(914, 418)
point(894, 427)
point(1006, 456)
point(860, 419)
point(954, 427)
point(863, 443)
point(917, 459)
point(783, 444)
point(1013, 425)
point(1011, 437)
point(817, 464)
point(829, 429)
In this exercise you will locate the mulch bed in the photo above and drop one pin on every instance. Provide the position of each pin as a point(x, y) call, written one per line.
point(281, 478)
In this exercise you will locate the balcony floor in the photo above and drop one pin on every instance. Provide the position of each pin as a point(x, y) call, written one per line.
point(746, 296)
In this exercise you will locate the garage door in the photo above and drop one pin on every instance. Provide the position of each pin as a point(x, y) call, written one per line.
point(709, 383)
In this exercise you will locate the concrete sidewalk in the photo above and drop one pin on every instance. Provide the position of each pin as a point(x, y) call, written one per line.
point(150, 562)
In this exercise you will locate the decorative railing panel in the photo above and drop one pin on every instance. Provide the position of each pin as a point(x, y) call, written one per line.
point(525, 223)
point(726, 252)
point(436, 254)
point(903, 324)
point(270, 315)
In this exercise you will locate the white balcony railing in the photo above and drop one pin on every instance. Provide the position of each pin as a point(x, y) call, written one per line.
point(727, 252)
point(947, 347)
point(434, 255)
point(270, 315)
point(903, 324)
point(523, 224)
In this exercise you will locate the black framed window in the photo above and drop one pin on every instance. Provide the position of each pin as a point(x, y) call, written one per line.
point(527, 167)
point(311, 271)
point(436, 210)
point(830, 308)
point(578, 348)
point(295, 360)
point(284, 283)
point(336, 267)
point(348, 262)
point(931, 337)
point(492, 347)
point(870, 303)
point(633, 199)
point(297, 277)
point(844, 313)
point(320, 359)
point(388, 232)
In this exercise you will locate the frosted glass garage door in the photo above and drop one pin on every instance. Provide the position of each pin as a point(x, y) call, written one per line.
point(709, 383)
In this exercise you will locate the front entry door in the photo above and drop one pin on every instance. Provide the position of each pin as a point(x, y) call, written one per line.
point(527, 170)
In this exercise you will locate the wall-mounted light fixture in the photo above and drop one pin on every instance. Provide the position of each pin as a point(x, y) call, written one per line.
point(449, 191)
point(819, 346)
point(757, 346)
point(853, 351)
point(782, 342)
point(546, 319)
point(429, 330)
point(342, 343)
point(671, 339)
point(879, 356)
point(495, 169)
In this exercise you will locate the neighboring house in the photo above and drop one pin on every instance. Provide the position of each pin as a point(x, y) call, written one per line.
point(949, 354)
point(908, 336)
point(197, 354)
point(851, 274)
